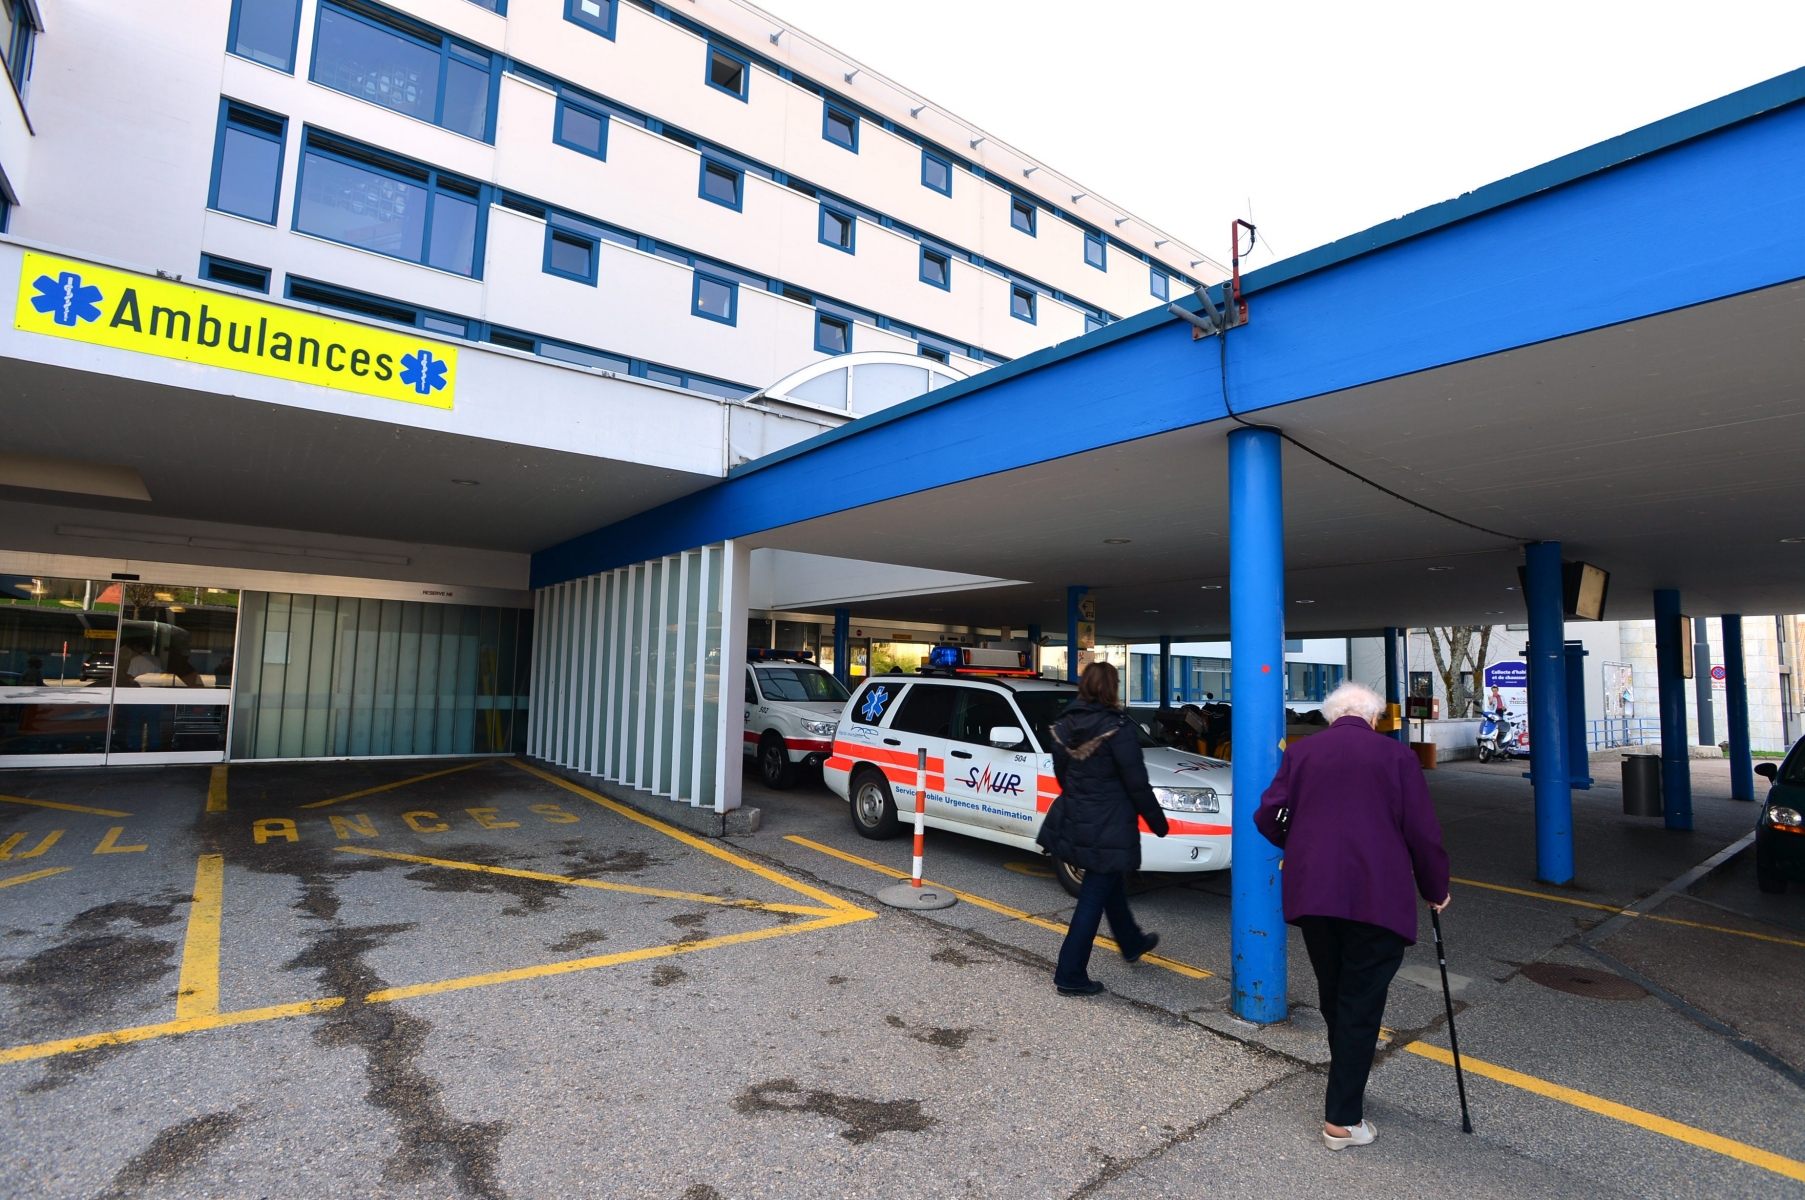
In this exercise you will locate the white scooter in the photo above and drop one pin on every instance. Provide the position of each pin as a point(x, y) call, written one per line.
point(1498, 736)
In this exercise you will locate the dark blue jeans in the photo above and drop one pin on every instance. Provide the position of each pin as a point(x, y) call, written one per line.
point(1101, 893)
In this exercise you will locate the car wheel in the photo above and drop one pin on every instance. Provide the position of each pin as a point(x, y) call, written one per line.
point(1070, 878)
point(873, 809)
point(774, 765)
point(1768, 876)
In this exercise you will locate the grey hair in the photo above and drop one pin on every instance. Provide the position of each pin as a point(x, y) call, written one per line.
point(1353, 699)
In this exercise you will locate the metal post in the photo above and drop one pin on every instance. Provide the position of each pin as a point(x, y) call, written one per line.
point(1676, 754)
point(1393, 694)
point(842, 628)
point(1165, 672)
point(1256, 521)
point(1548, 772)
point(1736, 711)
point(1073, 595)
point(1034, 648)
point(1701, 682)
point(1579, 757)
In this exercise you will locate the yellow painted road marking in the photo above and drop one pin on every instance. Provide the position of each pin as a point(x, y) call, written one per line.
point(399, 783)
point(140, 1033)
point(1158, 960)
point(1741, 1151)
point(102, 812)
point(110, 843)
point(604, 885)
point(1629, 912)
point(10, 880)
point(197, 989)
point(50, 839)
point(1034, 869)
point(216, 789)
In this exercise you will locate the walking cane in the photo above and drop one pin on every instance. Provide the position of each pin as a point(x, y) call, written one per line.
point(1441, 956)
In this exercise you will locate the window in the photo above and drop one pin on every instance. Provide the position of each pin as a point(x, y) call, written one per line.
point(833, 335)
point(326, 295)
point(364, 197)
point(1095, 253)
point(580, 128)
point(406, 66)
point(234, 274)
point(247, 162)
point(722, 184)
point(838, 229)
point(1021, 214)
point(597, 16)
point(1159, 283)
point(263, 31)
point(570, 254)
point(728, 72)
point(716, 299)
point(927, 351)
point(1021, 304)
point(840, 127)
point(498, 7)
point(928, 710)
point(936, 268)
point(979, 713)
point(936, 173)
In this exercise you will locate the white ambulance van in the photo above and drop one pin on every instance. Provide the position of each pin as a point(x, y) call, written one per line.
point(792, 710)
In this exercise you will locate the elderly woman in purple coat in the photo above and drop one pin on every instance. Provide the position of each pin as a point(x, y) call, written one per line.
point(1352, 812)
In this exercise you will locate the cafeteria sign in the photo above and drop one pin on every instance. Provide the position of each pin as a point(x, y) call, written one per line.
point(63, 298)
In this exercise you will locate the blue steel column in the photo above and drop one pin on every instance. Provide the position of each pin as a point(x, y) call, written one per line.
point(1034, 646)
point(1393, 693)
point(1165, 672)
point(1548, 772)
point(1736, 711)
point(842, 627)
point(1256, 621)
point(1073, 595)
point(1676, 753)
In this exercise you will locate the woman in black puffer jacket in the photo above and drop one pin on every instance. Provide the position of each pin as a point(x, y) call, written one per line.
point(1103, 789)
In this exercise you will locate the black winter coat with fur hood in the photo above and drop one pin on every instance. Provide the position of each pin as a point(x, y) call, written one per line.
point(1104, 788)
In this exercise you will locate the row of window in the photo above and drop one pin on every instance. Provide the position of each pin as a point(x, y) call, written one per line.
point(18, 32)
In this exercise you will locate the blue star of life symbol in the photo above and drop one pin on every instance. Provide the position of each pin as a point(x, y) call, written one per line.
point(68, 297)
point(875, 699)
point(423, 372)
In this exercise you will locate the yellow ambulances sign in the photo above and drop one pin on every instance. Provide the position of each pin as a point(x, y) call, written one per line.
point(64, 298)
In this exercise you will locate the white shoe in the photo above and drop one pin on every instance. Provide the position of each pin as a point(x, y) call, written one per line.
point(1357, 1135)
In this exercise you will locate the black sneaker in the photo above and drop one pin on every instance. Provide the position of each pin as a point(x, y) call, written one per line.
point(1146, 948)
point(1089, 989)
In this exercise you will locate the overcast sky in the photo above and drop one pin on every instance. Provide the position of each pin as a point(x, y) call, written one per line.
point(1320, 119)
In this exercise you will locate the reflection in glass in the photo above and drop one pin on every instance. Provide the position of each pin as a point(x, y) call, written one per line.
point(56, 664)
point(168, 728)
point(175, 637)
point(362, 207)
point(376, 64)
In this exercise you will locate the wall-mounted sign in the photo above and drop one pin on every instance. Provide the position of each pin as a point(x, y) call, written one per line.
point(65, 298)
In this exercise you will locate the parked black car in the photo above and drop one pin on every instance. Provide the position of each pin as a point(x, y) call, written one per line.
point(1780, 829)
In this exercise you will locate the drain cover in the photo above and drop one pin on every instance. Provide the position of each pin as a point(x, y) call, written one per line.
point(1583, 981)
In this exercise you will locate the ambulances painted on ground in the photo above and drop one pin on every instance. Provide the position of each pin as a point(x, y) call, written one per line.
point(986, 728)
point(792, 709)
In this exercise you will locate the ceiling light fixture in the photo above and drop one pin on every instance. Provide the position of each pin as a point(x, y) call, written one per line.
point(1116, 541)
point(1791, 541)
point(1150, 610)
point(1303, 602)
point(1212, 587)
point(1441, 568)
point(1494, 612)
point(466, 482)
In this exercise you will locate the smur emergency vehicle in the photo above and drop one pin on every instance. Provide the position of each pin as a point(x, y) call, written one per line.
point(792, 709)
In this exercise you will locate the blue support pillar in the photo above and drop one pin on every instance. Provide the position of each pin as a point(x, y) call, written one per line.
point(1165, 672)
point(1736, 711)
point(1256, 572)
point(1676, 751)
point(1579, 746)
point(842, 628)
point(1073, 596)
point(1394, 695)
point(1034, 646)
point(1548, 772)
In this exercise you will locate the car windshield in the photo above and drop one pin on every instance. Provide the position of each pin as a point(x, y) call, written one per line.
point(800, 686)
point(1793, 769)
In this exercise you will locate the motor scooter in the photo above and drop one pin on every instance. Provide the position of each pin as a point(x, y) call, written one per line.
point(1498, 736)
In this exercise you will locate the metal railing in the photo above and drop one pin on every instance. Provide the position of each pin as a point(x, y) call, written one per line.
point(1607, 732)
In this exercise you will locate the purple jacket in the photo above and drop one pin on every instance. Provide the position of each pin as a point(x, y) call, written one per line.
point(1362, 826)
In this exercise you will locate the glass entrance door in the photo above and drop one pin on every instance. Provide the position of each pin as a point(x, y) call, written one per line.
point(57, 642)
point(172, 677)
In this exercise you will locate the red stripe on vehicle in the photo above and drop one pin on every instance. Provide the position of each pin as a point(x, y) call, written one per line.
point(807, 744)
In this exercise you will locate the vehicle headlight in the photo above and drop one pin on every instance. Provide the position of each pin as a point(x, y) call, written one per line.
point(1783, 816)
point(821, 728)
point(1188, 799)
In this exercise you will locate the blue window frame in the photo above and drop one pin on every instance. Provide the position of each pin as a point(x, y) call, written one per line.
point(722, 184)
point(327, 295)
point(839, 229)
point(1022, 304)
point(936, 173)
point(1159, 283)
point(234, 273)
point(1021, 214)
point(571, 254)
point(597, 16)
point(716, 299)
point(840, 127)
point(1096, 253)
point(937, 268)
point(833, 335)
point(581, 128)
point(401, 64)
point(264, 31)
point(380, 202)
point(728, 72)
point(247, 162)
point(498, 7)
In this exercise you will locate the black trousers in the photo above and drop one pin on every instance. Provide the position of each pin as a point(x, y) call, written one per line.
point(1354, 964)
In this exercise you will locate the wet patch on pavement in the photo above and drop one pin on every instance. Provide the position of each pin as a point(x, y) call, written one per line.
point(865, 1119)
point(577, 940)
point(665, 974)
point(172, 1152)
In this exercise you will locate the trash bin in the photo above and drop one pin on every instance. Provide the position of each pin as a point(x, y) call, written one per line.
point(1641, 785)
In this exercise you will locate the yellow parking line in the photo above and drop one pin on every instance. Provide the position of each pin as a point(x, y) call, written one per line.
point(140, 1033)
point(1158, 960)
point(197, 988)
point(1498, 887)
point(604, 885)
point(31, 875)
point(1630, 912)
point(1741, 1151)
point(102, 812)
point(216, 789)
point(399, 783)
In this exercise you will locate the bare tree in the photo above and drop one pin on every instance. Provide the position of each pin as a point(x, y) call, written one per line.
point(1456, 654)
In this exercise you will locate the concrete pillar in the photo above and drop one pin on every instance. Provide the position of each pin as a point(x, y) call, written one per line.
point(1676, 751)
point(1073, 595)
point(1165, 672)
point(1256, 548)
point(1736, 711)
point(842, 628)
point(1548, 771)
point(1701, 682)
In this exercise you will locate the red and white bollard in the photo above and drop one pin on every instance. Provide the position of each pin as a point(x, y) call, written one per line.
point(914, 894)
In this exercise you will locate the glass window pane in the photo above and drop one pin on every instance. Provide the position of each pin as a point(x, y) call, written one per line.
point(840, 128)
point(936, 174)
point(453, 234)
point(363, 207)
point(248, 169)
point(571, 254)
point(879, 385)
point(376, 65)
point(56, 664)
point(266, 32)
point(933, 267)
point(466, 99)
point(828, 390)
point(721, 184)
point(581, 129)
point(714, 298)
point(831, 338)
point(727, 73)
